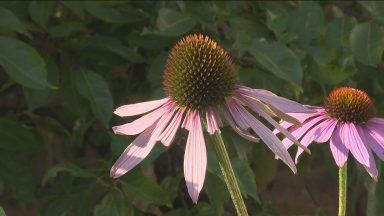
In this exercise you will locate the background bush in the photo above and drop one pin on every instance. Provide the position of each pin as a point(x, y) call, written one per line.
point(65, 65)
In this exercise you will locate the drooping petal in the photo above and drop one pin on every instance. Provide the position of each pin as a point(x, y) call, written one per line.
point(140, 124)
point(239, 120)
point(338, 148)
point(211, 116)
point(371, 168)
point(255, 106)
point(376, 125)
point(169, 133)
point(323, 130)
point(375, 140)
point(298, 132)
point(188, 120)
point(354, 142)
point(139, 108)
point(278, 102)
point(267, 136)
point(245, 134)
point(134, 153)
point(195, 159)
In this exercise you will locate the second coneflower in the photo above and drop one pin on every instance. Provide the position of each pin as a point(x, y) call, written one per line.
point(199, 79)
point(347, 121)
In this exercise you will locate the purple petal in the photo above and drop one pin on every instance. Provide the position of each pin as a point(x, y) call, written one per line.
point(139, 108)
point(271, 99)
point(354, 142)
point(338, 149)
point(371, 167)
point(195, 159)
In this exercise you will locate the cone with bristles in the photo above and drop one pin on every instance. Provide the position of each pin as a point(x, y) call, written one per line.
point(349, 105)
point(199, 73)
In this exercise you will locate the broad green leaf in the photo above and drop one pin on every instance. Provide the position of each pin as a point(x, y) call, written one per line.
point(10, 23)
point(217, 192)
point(104, 12)
point(171, 22)
point(66, 29)
point(58, 206)
point(171, 184)
point(70, 168)
point(367, 43)
point(246, 179)
point(36, 97)
point(376, 8)
point(23, 63)
point(94, 88)
point(338, 31)
point(18, 138)
point(329, 74)
point(279, 60)
point(277, 14)
point(18, 178)
point(75, 7)
point(143, 188)
point(2, 212)
point(307, 21)
point(114, 204)
point(41, 12)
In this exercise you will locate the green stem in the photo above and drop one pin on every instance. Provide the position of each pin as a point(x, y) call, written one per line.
point(229, 175)
point(342, 190)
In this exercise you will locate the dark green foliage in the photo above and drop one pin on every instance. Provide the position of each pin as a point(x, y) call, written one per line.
point(65, 65)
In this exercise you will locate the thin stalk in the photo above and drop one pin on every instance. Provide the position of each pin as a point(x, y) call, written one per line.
point(342, 190)
point(229, 175)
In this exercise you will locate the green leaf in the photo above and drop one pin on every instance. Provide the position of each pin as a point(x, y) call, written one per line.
point(279, 60)
point(329, 74)
point(57, 207)
point(114, 204)
point(70, 168)
point(66, 29)
point(307, 21)
point(277, 15)
point(76, 7)
point(36, 97)
point(170, 22)
point(338, 31)
point(246, 179)
point(217, 192)
point(367, 43)
point(18, 178)
point(94, 88)
point(10, 23)
point(18, 138)
point(376, 8)
point(2, 212)
point(143, 188)
point(104, 12)
point(41, 12)
point(23, 63)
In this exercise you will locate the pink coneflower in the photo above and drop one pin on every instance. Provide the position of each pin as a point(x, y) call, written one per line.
point(347, 121)
point(199, 79)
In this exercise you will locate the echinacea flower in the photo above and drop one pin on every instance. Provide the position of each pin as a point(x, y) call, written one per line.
point(199, 79)
point(347, 121)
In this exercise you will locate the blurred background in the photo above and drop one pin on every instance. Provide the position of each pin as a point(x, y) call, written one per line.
point(65, 65)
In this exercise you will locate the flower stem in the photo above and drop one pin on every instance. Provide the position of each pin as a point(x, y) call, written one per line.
point(229, 175)
point(342, 190)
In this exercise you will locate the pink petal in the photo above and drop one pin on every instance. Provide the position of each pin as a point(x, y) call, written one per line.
point(243, 133)
point(134, 153)
point(139, 125)
point(300, 131)
point(338, 148)
point(267, 136)
point(371, 168)
point(375, 140)
point(169, 133)
point(188, 120)
point(354, 142)
point(260, 109)
point(139, 108)
point(211, 116)
point(195, 159)
point(376, 125)
point(271, 99)
point(322, 131)
point(239, 120)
